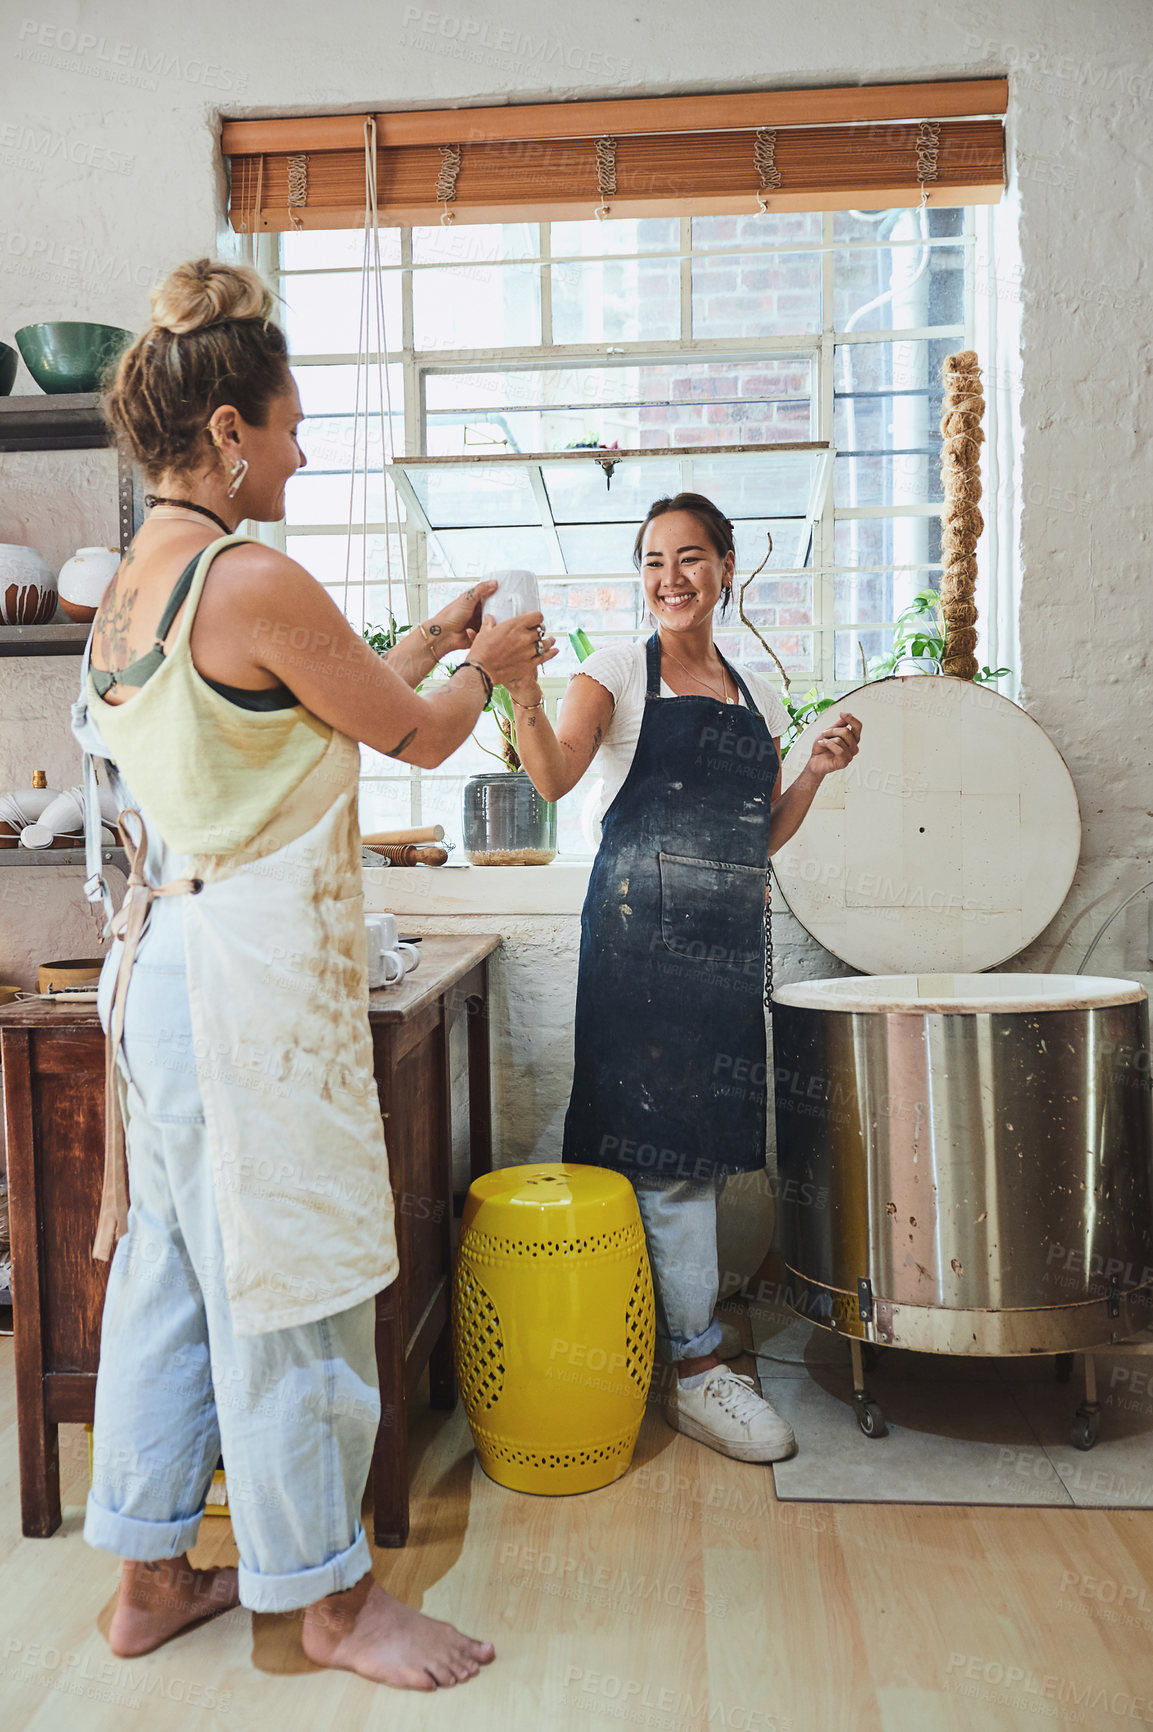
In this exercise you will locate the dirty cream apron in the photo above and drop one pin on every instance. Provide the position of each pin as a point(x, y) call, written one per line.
point(251, 817)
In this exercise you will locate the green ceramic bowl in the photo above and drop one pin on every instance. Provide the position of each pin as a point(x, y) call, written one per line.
point(67, 355)
point(9, 361)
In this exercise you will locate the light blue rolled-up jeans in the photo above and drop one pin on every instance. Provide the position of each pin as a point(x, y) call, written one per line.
point(294, 1411)
point(680, 1221)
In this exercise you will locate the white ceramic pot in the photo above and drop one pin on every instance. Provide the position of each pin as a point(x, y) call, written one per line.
point(27, 586)
point(84, 578)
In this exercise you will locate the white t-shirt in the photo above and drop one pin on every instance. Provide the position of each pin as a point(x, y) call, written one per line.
point(623, 670)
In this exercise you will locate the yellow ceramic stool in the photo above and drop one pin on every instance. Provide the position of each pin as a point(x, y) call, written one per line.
point(553, 1325)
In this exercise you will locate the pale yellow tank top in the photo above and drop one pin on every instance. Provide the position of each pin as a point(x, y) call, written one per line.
point(213, 779)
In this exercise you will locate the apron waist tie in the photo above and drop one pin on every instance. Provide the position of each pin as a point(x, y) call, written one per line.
point(128, 925)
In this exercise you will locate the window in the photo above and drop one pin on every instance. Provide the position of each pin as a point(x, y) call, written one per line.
point(663, 334)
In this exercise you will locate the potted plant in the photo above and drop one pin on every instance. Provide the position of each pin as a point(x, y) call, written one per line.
point(506, 822)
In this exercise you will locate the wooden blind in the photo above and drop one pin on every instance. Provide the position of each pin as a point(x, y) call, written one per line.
point(877, 146)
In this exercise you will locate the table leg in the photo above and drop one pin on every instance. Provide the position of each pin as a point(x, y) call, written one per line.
point(479, 1080)
point(39, 1439)
point(441, 1377)
point(390, 1455)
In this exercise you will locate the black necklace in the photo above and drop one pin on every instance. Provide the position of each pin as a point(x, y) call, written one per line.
point(151, 499)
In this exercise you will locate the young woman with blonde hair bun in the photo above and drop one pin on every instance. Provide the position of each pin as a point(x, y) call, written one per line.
point(227, 696)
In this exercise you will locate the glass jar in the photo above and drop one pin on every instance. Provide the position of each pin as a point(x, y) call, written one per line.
point(506, 822)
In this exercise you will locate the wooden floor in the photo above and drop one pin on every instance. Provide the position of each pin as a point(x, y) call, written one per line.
point(685, 1597)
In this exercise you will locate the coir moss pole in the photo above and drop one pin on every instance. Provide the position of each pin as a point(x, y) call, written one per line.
point(963, 411)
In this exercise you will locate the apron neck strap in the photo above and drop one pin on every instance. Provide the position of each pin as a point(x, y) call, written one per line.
point(653, 686)
point(653, 660)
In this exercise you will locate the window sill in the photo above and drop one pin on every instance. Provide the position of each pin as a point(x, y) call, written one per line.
point(555, 889)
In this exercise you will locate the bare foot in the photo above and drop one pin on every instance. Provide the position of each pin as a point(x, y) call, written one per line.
point(365, 1630)
point(159, 1600)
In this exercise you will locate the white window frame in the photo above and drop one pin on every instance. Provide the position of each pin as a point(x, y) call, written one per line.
point(818, 347)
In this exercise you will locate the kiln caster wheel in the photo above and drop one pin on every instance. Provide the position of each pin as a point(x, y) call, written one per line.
point(871, 1420)
point(1086, 1430)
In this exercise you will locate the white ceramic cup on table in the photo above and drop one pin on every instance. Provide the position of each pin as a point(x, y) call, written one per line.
point(389, 960)
point(518, 592)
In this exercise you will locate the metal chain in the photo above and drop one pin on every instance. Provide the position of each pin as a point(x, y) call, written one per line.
point(768, 942)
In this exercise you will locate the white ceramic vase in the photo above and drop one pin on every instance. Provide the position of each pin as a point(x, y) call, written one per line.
point(83, 580)
point(27, 586)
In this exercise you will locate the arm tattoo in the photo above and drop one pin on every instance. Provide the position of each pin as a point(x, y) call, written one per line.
point(395, 751)
point(433, 630)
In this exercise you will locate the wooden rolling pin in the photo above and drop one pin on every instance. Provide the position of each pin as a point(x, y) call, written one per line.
point(410, 853)
point(382, 838)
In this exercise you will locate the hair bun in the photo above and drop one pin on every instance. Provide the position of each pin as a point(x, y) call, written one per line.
point(205, 292)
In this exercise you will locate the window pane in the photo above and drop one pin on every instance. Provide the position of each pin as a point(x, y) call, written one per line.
point(647, 407)
point(471, 553)
point(888, 400)
point(383, 804)
point(791, 543)
point(324, 249)
point(756, 294)
point(476, 493)
point(848, 647)
point(325, 555)
point(909, 364)
point(615, 235)
point(598, 608)
point(312, 497)
point(774, 229)
point(337, 441)
point(596, 547)
point(758, 484)
point(322, 313)
point(865, 597)
point(888, 541)
point(474, 243)
point(333, 390)
point(895, 288)
point(795, 649)
point(578, 491)
point(616, 301)
point(478, 307)
point(775, 602)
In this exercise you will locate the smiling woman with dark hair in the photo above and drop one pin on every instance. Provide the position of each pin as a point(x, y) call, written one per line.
point(669, 1083)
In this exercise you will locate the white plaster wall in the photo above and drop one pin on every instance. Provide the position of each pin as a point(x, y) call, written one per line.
point(111, 173)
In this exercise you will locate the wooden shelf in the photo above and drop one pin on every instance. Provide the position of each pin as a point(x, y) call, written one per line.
point(69, 421)
point(43, 640)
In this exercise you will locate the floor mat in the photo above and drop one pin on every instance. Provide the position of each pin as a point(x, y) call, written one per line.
point(960, 1430)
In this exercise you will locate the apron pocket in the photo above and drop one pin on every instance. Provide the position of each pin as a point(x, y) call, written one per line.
point(712, 911)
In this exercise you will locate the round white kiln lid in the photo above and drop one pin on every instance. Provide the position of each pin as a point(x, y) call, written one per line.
point(963, 994)
point(949, 843)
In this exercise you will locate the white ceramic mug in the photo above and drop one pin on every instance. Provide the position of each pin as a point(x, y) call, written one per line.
point(518, 593)
point(388, 959)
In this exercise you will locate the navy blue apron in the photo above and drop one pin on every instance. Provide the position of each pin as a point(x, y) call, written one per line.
point(672, 987)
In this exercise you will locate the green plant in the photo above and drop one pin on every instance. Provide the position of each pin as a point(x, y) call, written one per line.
point(801, 714)
point(382, 638)
point(920, 631)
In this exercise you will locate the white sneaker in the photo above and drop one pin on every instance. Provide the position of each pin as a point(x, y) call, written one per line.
point(726, 1414)
point(731, 1344)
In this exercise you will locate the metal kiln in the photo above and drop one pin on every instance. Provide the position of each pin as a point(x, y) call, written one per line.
point(965, 1160)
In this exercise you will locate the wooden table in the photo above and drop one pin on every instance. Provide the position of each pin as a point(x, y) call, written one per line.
point(53, 1062)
